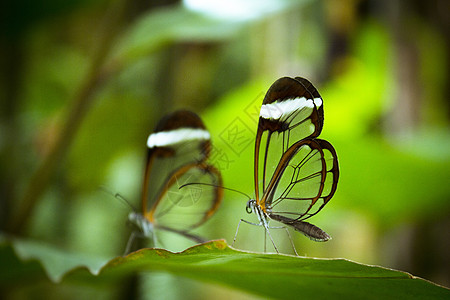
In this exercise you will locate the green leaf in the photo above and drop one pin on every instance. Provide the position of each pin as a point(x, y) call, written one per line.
point(267, 275)
point(26, 258)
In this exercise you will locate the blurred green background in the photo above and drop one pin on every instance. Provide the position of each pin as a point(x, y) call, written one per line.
point(83, 82)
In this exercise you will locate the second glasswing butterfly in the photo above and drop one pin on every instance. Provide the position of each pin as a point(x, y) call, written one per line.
point(177, 151)
point(296, 174)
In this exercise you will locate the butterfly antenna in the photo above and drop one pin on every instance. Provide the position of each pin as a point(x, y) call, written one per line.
point(118, 196)
point(215, 185)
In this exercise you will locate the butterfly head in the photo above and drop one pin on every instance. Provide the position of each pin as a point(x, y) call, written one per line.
point(250, 207)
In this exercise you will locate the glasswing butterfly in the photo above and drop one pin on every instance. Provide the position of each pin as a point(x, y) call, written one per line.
point(296, 174)
point(177, 151)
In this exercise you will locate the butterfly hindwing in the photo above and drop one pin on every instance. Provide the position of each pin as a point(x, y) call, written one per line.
point(186, 208)
point(305, 180)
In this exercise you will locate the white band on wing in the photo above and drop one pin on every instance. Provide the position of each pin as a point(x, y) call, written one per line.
point(277, 110)
point(167, 138)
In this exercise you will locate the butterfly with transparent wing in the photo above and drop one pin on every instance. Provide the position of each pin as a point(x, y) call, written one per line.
point(295, 173)
point(177, 152)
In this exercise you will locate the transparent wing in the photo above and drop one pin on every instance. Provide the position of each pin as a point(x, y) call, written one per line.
point(304, 181)
point(188, 207)
point(292, 110)
point(160, 166)
point(179, 138)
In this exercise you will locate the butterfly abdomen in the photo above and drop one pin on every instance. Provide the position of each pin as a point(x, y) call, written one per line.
point(311, 231)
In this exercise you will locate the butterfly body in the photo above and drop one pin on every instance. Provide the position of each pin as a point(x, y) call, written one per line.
point(144, 225)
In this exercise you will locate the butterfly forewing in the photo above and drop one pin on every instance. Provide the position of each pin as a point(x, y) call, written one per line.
point(179, 138)
point(186, 208)
point(271, 151)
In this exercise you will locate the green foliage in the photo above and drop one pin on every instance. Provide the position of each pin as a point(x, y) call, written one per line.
point(267, 275)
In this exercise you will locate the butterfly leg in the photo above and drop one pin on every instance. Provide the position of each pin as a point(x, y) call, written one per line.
point(291, 240)
point(129, 243)
point(265, 241)
point(133, 236)
point(239, 224)
point(266, 230)
point(289, 236)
